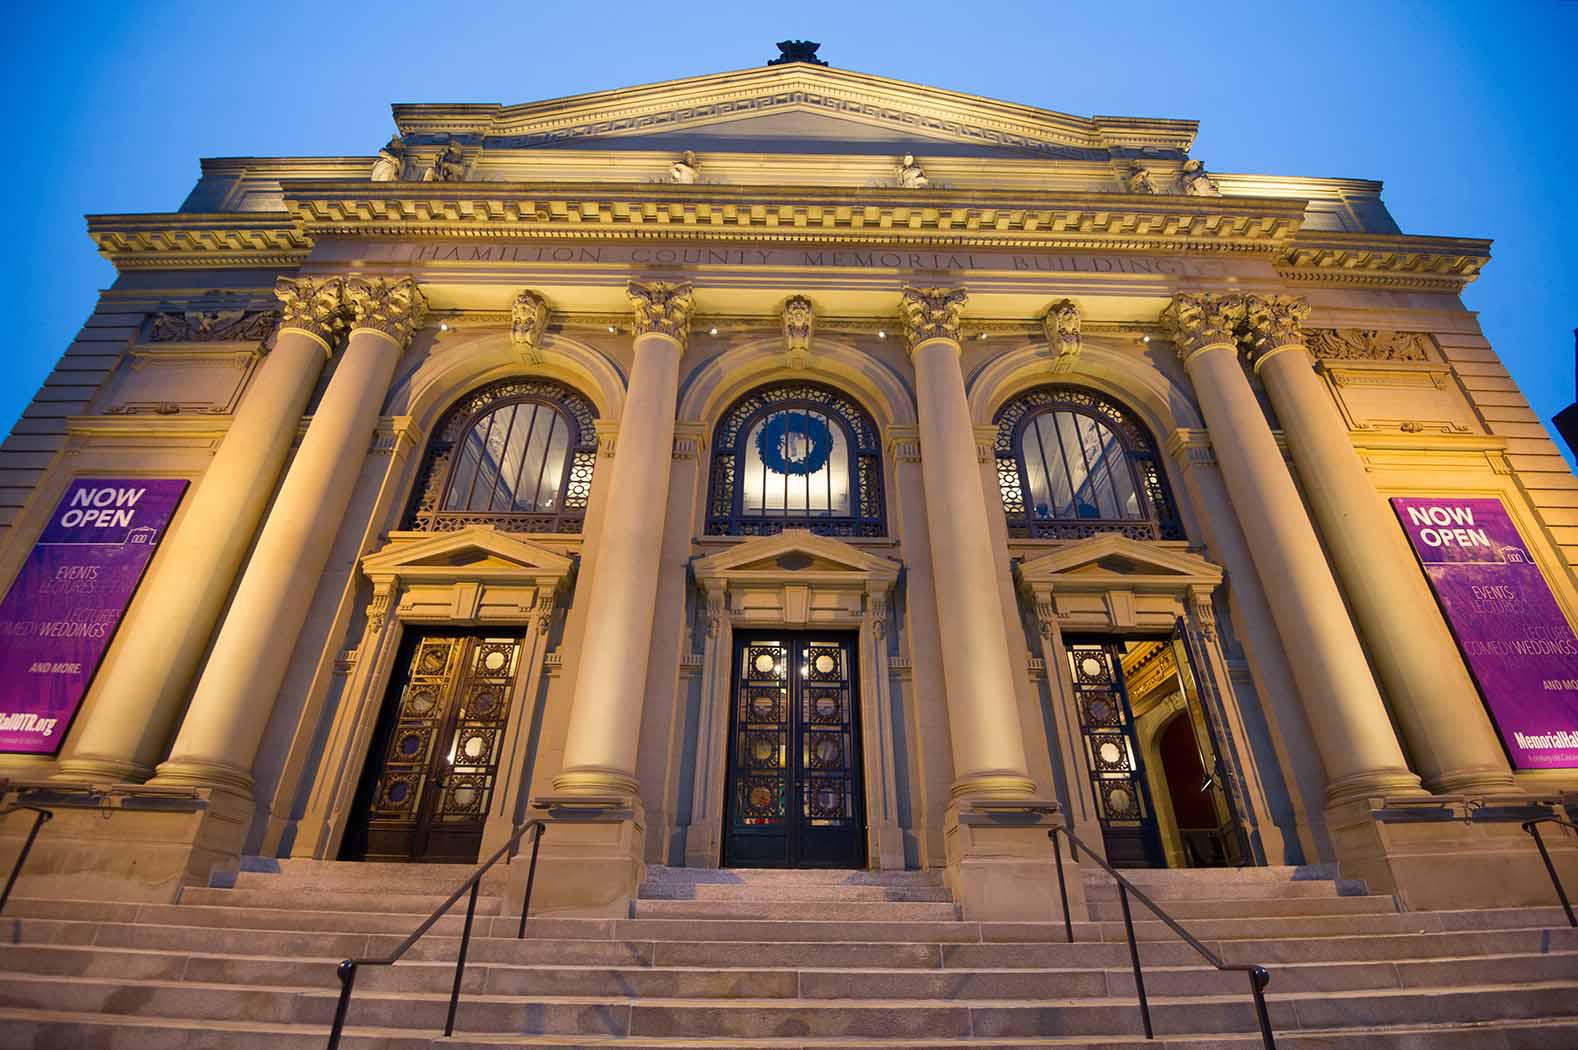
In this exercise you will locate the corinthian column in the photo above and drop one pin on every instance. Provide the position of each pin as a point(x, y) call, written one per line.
point(610, 686)
point(1349, 720)
point(1448, 733)
point(220, 734)
point(156, 654)
point(983, 715)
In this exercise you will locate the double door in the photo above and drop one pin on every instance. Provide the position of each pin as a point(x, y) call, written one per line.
point(433, 763)
point(795, 792)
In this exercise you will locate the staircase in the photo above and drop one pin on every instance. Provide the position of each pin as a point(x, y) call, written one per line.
point(746, 959)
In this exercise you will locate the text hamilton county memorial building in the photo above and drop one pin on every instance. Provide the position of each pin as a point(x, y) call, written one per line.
point(785, 468)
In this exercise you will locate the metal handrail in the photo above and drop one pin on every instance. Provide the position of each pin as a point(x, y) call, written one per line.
point(27, 846)
point(1259, 977)
point(1532, 827)
point(348, 967)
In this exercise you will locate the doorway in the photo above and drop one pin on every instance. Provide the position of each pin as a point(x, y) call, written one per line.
point(433, 762)
point(794, 796)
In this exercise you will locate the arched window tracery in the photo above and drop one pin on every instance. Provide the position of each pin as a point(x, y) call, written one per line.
point(1071, 464)
point(796, 456)
point(517, 454)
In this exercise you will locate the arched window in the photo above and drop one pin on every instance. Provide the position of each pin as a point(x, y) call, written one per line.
point(1071, 464)
point(796, 456)
point(517, 454)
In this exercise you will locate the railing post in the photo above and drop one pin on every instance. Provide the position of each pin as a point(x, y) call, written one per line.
point(1062, 887)
point(1134, 957)
point(1258, 979)
point(27, 847)
point(531, 873)
point(347, 974)
point(460, 962)
point(1532, 827)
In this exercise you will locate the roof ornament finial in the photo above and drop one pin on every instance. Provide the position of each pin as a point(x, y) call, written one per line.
point(797, 51)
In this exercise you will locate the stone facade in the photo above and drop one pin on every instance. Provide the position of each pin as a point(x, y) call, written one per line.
point(1274, 358)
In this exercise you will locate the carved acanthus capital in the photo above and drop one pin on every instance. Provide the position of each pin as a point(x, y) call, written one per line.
point(1061, 324)
point(1272, 322)
point(931, 313)
point(662, 307)
point(528, 321)
point(799, 316)
point(1196, 321)
point(394, 307)
point(314, 305)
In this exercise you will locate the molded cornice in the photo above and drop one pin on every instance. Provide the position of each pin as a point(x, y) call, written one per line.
point(165, 240)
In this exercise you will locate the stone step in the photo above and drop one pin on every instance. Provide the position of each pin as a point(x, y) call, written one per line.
point(826, 911)
point(756, 1018)
point(1108, 890)
point(790, 892)
point(31, 1028)
point(810, 979)
point(785, 876)
point(420, 905)
point(1263, 908)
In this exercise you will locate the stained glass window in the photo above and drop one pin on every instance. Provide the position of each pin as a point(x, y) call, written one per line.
point(518, 455)
point(1071, 464)
point(796, 455)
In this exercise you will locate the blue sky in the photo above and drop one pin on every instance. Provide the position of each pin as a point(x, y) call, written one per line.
point(1465, 111)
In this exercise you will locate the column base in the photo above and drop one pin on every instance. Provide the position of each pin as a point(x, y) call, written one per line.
point(591, 861)
point(1000, 866)
point(704, 845)
point(1374, 783)
point(132, 842)
point(100, 769)
point(595, 781)
point(886, 846)
point(1489, 780)
point(1447, 852)
point(1008, 784)
point(181, 771)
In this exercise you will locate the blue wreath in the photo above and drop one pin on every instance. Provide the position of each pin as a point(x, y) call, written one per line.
point(770, 440)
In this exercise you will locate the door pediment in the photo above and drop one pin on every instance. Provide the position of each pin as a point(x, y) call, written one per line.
point(1114, 561)
point(798, 556)
point(477, 552)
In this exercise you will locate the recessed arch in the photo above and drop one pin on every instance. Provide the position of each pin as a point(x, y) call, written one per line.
point(708, 391)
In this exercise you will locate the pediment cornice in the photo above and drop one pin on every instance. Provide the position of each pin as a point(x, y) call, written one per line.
point(1091, 565)
point(860, 97)
point(828, 560)
point(478, 552)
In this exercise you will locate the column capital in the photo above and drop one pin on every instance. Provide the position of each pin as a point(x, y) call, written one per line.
point(662, 308)
point(314, 306)
point(1199, 321)
point(391, 306)
point(528, 322)
point(1272, 323)
point(931, 313)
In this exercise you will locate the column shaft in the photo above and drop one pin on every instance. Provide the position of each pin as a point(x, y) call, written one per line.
point(1352, 731)
point(610, 687)
point(983, 714)
point(224, 725)
point(157, 653)
point(1448, 733)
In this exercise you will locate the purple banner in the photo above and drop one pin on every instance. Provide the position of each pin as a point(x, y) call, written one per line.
point(61, 611)
point(1519, 646)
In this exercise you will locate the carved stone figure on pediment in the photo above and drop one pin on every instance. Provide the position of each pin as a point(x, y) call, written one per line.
point(685, 171)
point(932, 313)
point(796, 51)
point(911, 175)
point(1061, 325)
point(1194, 182)
point(449, 166)
point(1139, 180)
point(528, 321)
point(1359, 344)
point(390, 165)
point(663, 307)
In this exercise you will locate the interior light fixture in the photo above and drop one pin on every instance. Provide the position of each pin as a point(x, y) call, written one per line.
point(881, 334)
point(713, 330)
point(613, 328)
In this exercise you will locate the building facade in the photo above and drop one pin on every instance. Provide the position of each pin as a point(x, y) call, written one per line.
point(790, 467)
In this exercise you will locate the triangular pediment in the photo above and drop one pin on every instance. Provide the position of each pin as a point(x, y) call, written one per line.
point(795, 554)
point(479, 551)
point(806, 103)
point(1113, 560)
